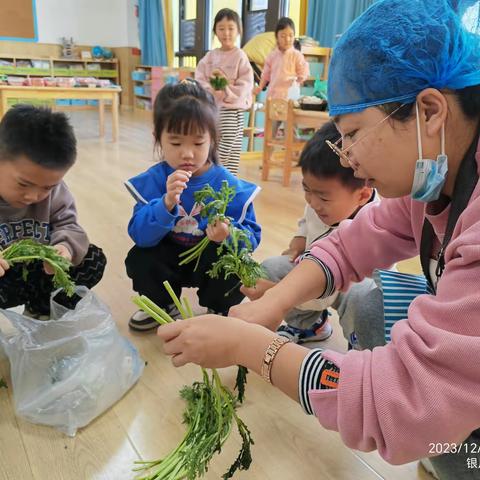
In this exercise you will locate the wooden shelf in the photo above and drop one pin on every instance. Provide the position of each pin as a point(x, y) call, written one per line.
point(322, 55)
point(59, 67)
point(317, 51)
point(55, 70)
point(93, 60)
point(155, 81)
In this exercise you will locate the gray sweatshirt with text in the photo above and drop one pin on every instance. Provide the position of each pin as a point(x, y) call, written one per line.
point(51, 221)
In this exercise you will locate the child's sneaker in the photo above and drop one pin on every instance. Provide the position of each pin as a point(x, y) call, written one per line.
point(142, 322)
point(36, 316)
point(318, 332)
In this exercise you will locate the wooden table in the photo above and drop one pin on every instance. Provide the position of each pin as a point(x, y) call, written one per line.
point(80, 93)
point(309, 118)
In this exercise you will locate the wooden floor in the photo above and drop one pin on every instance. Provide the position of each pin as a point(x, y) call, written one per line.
point(145, 424)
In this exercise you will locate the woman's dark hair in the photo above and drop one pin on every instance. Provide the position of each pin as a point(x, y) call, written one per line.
point(469, 99)
point(319, 160)
point(229, 14)
point(185, 108)
point(283, 23)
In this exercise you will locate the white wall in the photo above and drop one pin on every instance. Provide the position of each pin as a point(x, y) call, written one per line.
point(132, 24)
point(109, 23)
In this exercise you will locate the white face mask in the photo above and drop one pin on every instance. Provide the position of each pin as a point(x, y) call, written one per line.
point(430, 175)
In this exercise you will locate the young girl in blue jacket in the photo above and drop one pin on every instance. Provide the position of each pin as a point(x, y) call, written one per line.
point(166, 220)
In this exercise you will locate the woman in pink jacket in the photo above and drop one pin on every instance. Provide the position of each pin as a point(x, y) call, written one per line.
point(407, 103)
point(231, 64)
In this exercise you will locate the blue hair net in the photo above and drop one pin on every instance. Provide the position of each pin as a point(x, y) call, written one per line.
point(397, 48)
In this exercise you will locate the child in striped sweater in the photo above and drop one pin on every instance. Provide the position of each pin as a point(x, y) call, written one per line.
point(230, 64)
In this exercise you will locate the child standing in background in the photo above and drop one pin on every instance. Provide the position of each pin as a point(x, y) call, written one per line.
point(284, 65)
point(166, 219)
point(231, 63)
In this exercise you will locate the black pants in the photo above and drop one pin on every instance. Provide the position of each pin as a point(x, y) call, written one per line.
point(150, 267)
point(35, 292)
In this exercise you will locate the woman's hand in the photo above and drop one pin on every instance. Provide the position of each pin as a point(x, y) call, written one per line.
point(305, 282)
point(265, 311)
point(212, 341)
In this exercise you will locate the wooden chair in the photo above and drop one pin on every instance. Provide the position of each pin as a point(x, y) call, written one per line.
point(249, 130)
point(280, 110)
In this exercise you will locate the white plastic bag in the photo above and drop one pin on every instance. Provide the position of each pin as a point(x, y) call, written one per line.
point(67, 371)
point(293, 92)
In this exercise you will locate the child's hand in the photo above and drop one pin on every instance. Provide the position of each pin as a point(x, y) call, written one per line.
point(218, 73)
point(64, 252)
point(4, 266)
point(256, 90)
point(297, 247)
point(256, 292)
point(176, 184)
point(218, 232)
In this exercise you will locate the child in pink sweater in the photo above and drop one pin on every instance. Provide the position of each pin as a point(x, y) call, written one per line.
point(284, 65)
point(230, 64)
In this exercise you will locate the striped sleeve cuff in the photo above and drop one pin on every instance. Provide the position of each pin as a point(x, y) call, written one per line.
point(309, 378)
point(330, 285)
point(316, 373)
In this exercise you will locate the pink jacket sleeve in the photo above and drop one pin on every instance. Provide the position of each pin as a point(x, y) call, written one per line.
point(267, 68)
point(424, 386)
point(202, 75)
point(302, 68)
point(243, 84)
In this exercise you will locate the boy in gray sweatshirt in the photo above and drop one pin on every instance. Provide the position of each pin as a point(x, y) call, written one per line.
point(37, 148)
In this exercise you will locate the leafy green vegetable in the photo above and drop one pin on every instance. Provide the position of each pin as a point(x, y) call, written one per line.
point(240, 382)
point(234, 253)
point(235, 259)
point(209, 415)
point(214, 210)
point(27, 251)
point(218, 83)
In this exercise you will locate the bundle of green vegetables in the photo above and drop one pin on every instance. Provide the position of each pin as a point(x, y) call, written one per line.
point(210, 415)
point(235, 258)
point(214, 210)
point(27, 251)
point(218, 82)
point(234, 252)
